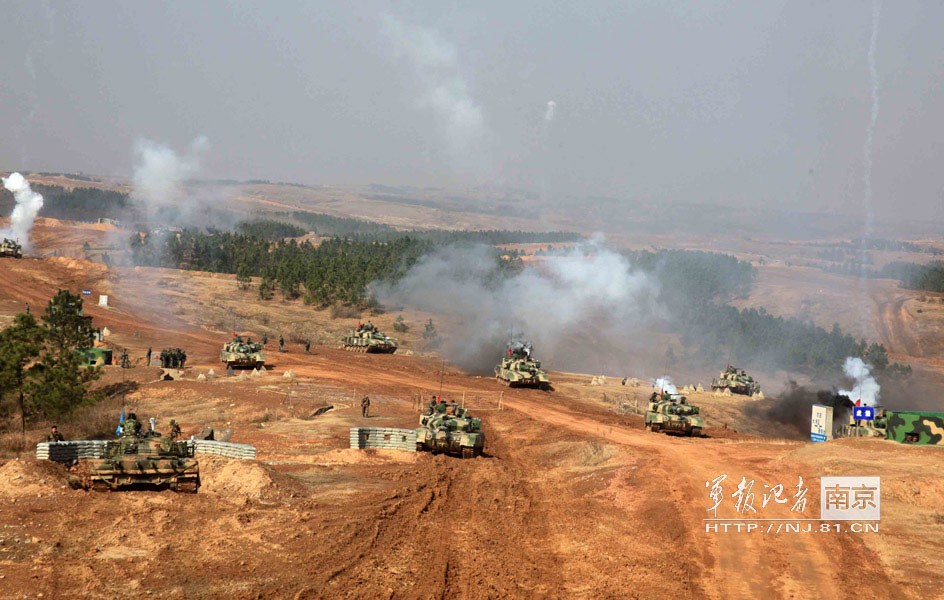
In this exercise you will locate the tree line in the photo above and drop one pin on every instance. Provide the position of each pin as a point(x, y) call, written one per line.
point(337, 270)
point(77, 204)
point(696, 287)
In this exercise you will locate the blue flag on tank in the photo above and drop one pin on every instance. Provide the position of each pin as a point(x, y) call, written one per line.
point(120, 421)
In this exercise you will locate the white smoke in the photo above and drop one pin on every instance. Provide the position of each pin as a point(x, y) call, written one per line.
point(441, 87)
point(549, 111)
point(665, 385)
point(159, 173)
point(575, 307)
point(865, 388)
point(24, 213)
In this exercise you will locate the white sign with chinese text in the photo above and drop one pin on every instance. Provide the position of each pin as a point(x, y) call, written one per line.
point(850, 498)
point(821, 423)
point(103, 300)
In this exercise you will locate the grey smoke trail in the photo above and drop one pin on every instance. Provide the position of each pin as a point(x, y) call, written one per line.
point(549, 111)
point(869, 138)
point(442, 87)
point(27, 207)
point(870, 131)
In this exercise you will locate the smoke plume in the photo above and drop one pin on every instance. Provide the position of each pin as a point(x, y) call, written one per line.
point(665, 385)
point(580, 308)
point(794, 407)
point(442, 88)
point(549, 111)
point(24, 213)
point(159, 173)
point(865, 388)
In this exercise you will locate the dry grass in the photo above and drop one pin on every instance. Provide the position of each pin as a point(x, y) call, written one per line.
point(345, 311)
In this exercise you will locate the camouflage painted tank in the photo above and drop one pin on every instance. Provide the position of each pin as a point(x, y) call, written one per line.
point(735, 380)
point(11, 248)
point(673, 413)
point(366, 338)
point(861, 428)
point(95, 357)
point(519, 369)
point(242, 353)
point(145, 460)
point(452, 430)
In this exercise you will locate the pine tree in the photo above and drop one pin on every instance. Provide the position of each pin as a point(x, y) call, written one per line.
point(68, 328)
point(20, 345)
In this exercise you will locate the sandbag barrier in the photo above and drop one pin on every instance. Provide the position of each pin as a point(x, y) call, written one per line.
point(389, 438)
point(227, 449)
point(68, 452)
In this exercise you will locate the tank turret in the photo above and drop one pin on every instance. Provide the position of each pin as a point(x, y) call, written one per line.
point(367, 338)
point(450, 429)
point(520, 369)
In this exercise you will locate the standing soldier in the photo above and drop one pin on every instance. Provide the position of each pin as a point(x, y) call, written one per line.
point(265, 340)
point(54, 435)
point(147, 361)
point(281, 343)
point(174, 430)
point(125, 360)
point(365, 406)
point(307, 345)
point(183, 358)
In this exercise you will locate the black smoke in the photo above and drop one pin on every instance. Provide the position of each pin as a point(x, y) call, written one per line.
point(793, 408)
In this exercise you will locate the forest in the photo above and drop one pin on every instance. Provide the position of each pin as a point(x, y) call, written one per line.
point(696, 286)
point(77, 204)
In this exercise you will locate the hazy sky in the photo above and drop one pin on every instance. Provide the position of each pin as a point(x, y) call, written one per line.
point(733, 102)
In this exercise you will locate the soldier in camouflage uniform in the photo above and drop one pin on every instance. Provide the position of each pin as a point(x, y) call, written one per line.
point(365, 406)
point(174, 430)
point(54, 435)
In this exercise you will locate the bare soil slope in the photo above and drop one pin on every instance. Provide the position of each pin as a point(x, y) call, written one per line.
point(570, 500)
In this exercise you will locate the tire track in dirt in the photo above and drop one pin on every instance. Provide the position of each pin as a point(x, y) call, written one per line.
point(737, 565)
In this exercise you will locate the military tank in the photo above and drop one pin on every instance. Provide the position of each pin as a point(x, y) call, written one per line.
point(862, 428)
point(450, 429)
point(736, 380)
point(10, 248)
point(367, 338)
point(95, 357)
point(242, 353)
point(519, 369)
point(673, 413)
point(145, 460)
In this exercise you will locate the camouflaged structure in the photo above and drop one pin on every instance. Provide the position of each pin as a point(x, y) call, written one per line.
point(913, 427)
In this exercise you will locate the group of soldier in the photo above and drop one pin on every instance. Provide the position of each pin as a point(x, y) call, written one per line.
point(131, 427)
point(173, 358)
